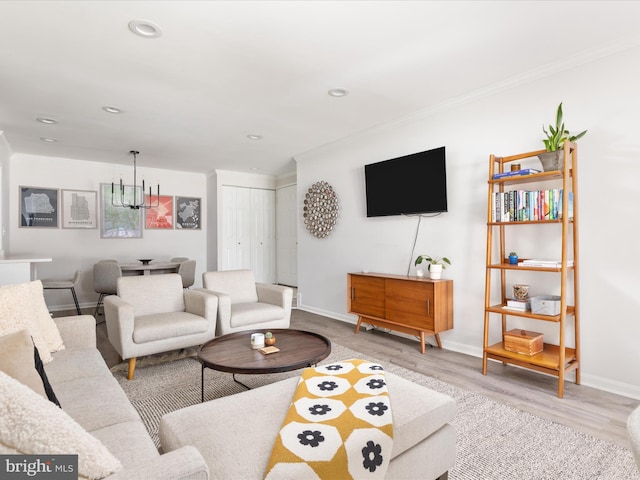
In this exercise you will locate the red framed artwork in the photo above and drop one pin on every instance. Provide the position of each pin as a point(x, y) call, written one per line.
point(160, 217)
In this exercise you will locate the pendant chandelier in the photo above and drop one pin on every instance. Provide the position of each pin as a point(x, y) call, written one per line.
point(137, 203)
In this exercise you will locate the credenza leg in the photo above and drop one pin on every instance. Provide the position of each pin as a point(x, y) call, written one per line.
point(438, 340)
point(358, 324)
point(422, 345)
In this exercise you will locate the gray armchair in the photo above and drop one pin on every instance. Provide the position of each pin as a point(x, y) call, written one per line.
point(153, 313)
point(244, 304)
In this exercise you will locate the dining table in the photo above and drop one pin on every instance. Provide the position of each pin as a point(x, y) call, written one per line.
point(153, 267)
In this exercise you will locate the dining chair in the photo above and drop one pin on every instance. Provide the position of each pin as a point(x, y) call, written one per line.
point(105, 280)
point(187, 270)
point(179, 259)
point(55, 284)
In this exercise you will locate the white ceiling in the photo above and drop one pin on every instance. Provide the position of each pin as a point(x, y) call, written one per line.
point(223, 70)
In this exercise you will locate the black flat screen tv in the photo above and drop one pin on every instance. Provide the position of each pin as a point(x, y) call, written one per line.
point(408, 185)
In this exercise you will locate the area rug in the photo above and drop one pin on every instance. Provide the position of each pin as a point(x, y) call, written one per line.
point(494, 441)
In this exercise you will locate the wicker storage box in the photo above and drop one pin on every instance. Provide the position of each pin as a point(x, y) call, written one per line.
point(523, 341)
point(545, 305)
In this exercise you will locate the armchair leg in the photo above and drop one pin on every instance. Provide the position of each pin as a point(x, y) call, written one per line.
point(132, 368)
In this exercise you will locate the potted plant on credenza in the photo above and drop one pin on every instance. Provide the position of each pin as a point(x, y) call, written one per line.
point(435, 265)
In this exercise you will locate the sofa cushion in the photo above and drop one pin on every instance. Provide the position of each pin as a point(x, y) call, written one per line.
point(159, 326)
point(243, 314)
point(76, 363)
point(18, 311)
point(152, 293)
point(136, 450)
point(95, 402)
point(31, 424)
point(18, 360)
point(417, 412)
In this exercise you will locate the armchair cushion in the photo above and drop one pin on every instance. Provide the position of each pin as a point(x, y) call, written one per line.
point(240, 285)
point(248, 314)
point(158, 326)
point(151, 294)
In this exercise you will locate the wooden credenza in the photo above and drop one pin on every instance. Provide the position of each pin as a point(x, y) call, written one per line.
point(413, 305)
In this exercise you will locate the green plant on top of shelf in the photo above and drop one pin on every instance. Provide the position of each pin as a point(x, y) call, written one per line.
point(557, 135)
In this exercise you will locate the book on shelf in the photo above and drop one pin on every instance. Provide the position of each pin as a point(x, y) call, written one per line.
point(525, 205)
point(515, 173)
point(544, 263)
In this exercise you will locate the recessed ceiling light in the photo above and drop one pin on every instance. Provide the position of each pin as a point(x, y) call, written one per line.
point(111, 109)
point(48, 121)
point(338, 92)
point(145, 28)
point(254, 137)
point(48, 139)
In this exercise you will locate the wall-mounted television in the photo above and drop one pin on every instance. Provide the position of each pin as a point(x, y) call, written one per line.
point(412, 184)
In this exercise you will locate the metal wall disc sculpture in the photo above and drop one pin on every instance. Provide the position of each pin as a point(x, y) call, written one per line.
point(320, 209)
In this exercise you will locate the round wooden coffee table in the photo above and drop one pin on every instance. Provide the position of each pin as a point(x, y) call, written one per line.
point(232, 353)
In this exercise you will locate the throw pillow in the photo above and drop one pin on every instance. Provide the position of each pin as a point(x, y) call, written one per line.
point(48, 328)
point(18, 360)
point(30, 424)
point(48, 389)
point(22, 306)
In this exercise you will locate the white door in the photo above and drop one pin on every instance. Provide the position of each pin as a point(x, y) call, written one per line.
point(236, 228)
point(263, 236)
point(286, 236)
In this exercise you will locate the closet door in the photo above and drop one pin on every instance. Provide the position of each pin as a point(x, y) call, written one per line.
point(236, 228)
point(263, 235)
point(286, 237)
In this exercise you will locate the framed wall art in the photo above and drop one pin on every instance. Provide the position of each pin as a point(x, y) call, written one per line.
point(188, 213)
point(160, 217)
point(117, 221)
point(38, 207)
point(79, 209)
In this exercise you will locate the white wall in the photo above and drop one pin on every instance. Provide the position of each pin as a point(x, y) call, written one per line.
point(600, 96)
point(73, 249)
point(5, 167)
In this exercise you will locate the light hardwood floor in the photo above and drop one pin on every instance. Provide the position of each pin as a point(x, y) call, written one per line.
point(598, 413)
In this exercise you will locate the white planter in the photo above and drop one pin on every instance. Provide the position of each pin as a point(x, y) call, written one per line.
point(435, 271)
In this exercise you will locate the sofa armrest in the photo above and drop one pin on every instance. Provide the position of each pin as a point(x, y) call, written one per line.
point(274, 294)
point(202, 303)
point(183, 463)
point(78, 331)
point(119, 316)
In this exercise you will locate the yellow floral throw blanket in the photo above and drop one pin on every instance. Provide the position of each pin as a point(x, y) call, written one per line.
point(339, 425)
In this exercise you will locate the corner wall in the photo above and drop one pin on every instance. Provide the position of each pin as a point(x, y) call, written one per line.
point(600, 96)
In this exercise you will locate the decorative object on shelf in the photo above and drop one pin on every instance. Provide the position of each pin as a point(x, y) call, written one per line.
point(320, 210)
point(435, 265)
point(513, 258)
point(419, 273)
point(269, 339)
point(139, 199)
point(556, 136)
point(521, 292)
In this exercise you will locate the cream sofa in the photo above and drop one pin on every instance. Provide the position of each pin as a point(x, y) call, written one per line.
point(237, 445)
point(90, 394)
